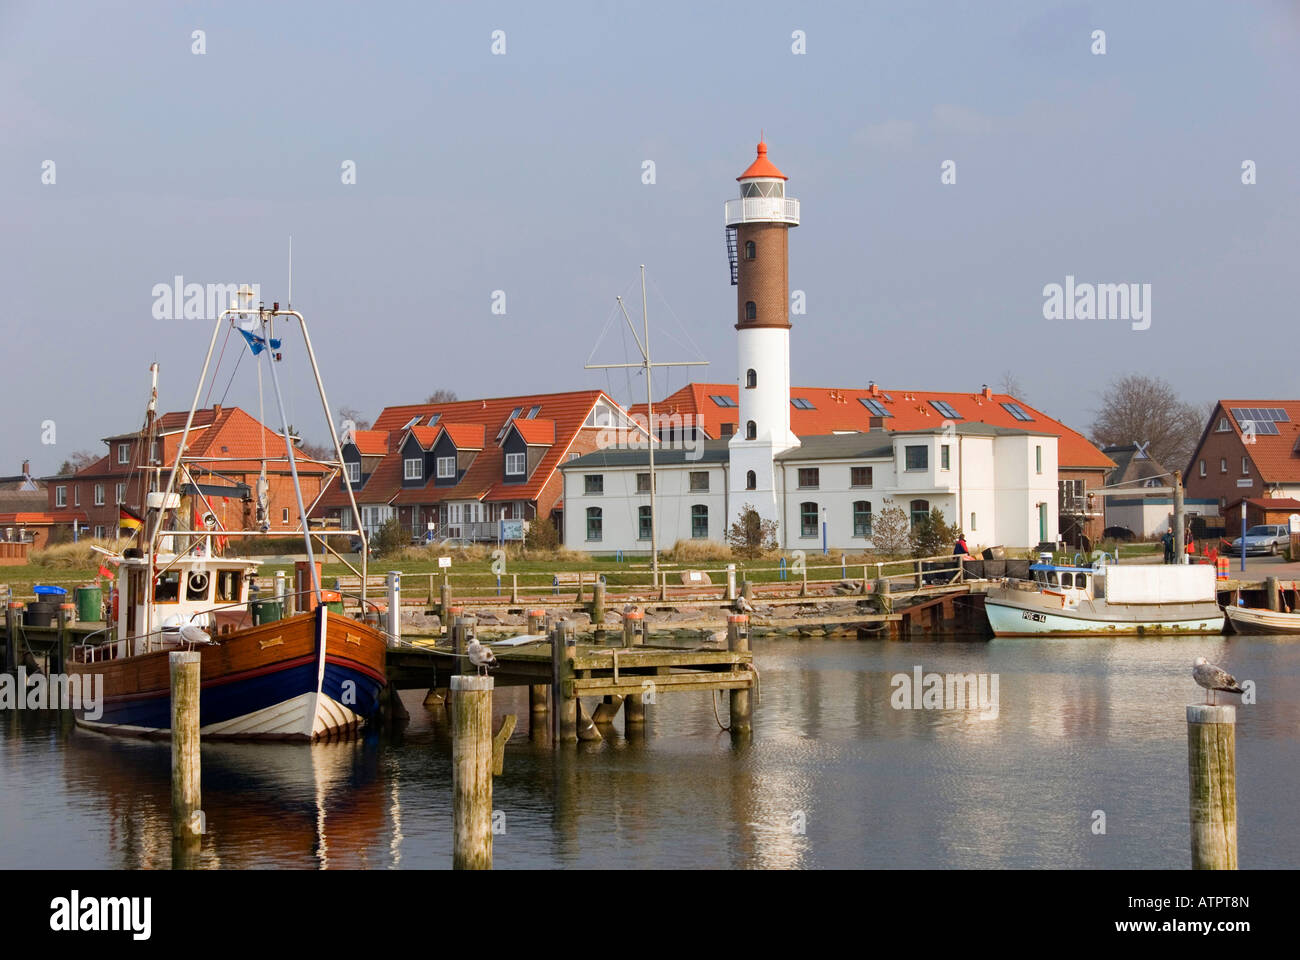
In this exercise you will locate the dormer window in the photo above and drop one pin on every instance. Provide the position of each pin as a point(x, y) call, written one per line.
point(413, 468)
point(124, 453)
point(354, 472)
point(515, 464)
point(446, 467)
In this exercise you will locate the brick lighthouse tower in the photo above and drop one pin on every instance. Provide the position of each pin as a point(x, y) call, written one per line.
point(758, 231)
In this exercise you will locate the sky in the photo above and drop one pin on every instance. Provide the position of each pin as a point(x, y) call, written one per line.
point(522, 172)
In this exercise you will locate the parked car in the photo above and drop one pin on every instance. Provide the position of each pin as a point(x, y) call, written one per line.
point(1118, 533)
point(1268, 538)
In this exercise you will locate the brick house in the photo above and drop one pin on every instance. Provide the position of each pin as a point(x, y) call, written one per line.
point(713, 408)
point(1249, 449)
point(23, 514)
point(465, 466)
point(225, 440)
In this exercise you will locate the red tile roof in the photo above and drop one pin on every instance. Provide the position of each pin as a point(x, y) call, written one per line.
point(762, 167)
point(839, 409)
point(424, 436)
point(242, 439)
point(536, 432)
point(1274, 455)
point(485, 477)
point(370, 442)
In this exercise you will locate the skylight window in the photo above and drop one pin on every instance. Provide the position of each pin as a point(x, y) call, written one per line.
point(946, 409)
point(1017, 411)
point(434, 419)
point(722, 401)
point(875, 406)
point(800, 403)
point(412, 422)
point(532, 414)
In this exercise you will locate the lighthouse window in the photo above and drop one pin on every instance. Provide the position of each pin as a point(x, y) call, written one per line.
point(751, 480)
point(749, 250)
point(751, 310)
point(751, 379)
point(751, 430)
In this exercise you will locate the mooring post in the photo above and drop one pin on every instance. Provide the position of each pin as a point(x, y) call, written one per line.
point(471, 772)
point(747, 590)
point(187, 817)
point(1272, 586)
point(461, 631)
point(13, 613)
point(741, 704)
point(514, 588)
point(60, 653)
point(598, 606)
point(731, 581)
point(803, 587)
point(394, 607)
point(1212, 780)
point(578, 598)
point(563, 647)
point(633, 628)
point(444, 599)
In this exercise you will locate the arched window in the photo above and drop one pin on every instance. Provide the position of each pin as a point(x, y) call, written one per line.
point(593, 523)
point(751, 430)
point(920, 510)
point(751, 379)
point(751, 480)
point(699, 522)
point(751, 310)
point(862, 518)
point(749, 250)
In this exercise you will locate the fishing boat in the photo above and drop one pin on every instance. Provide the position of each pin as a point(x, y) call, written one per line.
point(1108, 599)
point(1259, 620)
point(315, 674)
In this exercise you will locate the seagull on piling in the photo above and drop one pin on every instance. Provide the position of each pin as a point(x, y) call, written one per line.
point(482, 658)
point(742, 605)
point(1214, 678)
point(632, 608)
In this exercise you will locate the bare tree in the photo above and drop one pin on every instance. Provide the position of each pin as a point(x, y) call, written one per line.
point(353, 414)
point(78, 460)
point(442, 396)
point(1011, 384)
point(1146, 411)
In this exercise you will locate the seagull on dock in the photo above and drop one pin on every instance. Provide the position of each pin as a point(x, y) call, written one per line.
point(1214, 678)
point(194, 635)
point(482, 658)
point(742, 605)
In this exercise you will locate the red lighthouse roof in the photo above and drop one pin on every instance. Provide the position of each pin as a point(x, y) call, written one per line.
point(762, 167)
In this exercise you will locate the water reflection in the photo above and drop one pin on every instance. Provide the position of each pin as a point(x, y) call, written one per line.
point(833, 775)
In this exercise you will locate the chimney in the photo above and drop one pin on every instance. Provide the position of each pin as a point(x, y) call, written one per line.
point(988, 394)
point(27, 468)
point(216, 410)
point(875, 390)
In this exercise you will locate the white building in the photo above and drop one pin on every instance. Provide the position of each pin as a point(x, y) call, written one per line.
point(998, 483)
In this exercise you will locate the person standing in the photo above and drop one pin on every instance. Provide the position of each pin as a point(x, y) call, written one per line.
point(1168, 541)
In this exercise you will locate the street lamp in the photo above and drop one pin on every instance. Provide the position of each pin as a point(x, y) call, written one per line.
point(1243, 534)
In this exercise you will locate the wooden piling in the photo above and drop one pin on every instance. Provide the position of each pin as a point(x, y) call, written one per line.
point(13, 613)
point(63, 645)
point(461, 630)
point(444, 600)
point(633, 628)
point(514, 588)
point(471, 772)
point(598, 605)
point(563, 646)
point(738, 642)
point(747, 590)
point(186, 772)
point(1273, 587)
point(1212, 780)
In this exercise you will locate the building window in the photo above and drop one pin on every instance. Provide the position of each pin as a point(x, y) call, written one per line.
point(750, 250)
point(699, 480)
point(751, 310)
point(284, 514)
point(593, 523)
point(60, 496)
point(643, 483)
point(99, 531)
point(860, 476)
point(944, 461)
point(124, 453)
point(751, 430)
point(1038, 459)
point(699, 522)
point(808, 519)
point(751, 480)
point(446, 467)
point(1202, 468)
point(861, 518)
point(1245, 466)
point(99, 494)
point(916, 458)
point(919, 510)
point(727, 429)
point(354, 472)
point(972, 522)
point(643, 522)
point(76, 495)
point(1223, 426)
point(594, 483)
point(412, 468)
point(809, 477)
point(515, 464)
point(1223, 464)
point(751, 379)
point(153, 452)
point(119, 495)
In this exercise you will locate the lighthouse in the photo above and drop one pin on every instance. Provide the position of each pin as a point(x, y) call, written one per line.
point(758, 230)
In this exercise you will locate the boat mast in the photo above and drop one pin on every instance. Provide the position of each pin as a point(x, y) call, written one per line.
point(148, 476)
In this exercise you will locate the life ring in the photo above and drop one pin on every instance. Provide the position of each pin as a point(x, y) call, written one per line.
point(198, 582)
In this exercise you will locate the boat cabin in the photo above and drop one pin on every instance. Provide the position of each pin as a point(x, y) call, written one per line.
point(1074, 582)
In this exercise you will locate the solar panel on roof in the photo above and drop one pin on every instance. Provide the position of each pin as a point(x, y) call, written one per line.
point(722, 401)
point(946, 409)
point(802, 404)
point(875, 406)
point(1016, 411)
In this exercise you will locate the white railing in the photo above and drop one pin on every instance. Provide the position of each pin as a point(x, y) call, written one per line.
point(757, 209)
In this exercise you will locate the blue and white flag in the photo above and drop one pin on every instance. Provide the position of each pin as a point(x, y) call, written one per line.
point(258, 343)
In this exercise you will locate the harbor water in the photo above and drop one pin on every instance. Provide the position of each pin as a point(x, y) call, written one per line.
point(1082, 763)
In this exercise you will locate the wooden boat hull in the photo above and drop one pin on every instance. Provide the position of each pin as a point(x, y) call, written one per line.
point(308, 677)
point(1258, 620)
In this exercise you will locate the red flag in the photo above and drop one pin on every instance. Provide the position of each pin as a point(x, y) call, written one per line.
point(105, 572)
